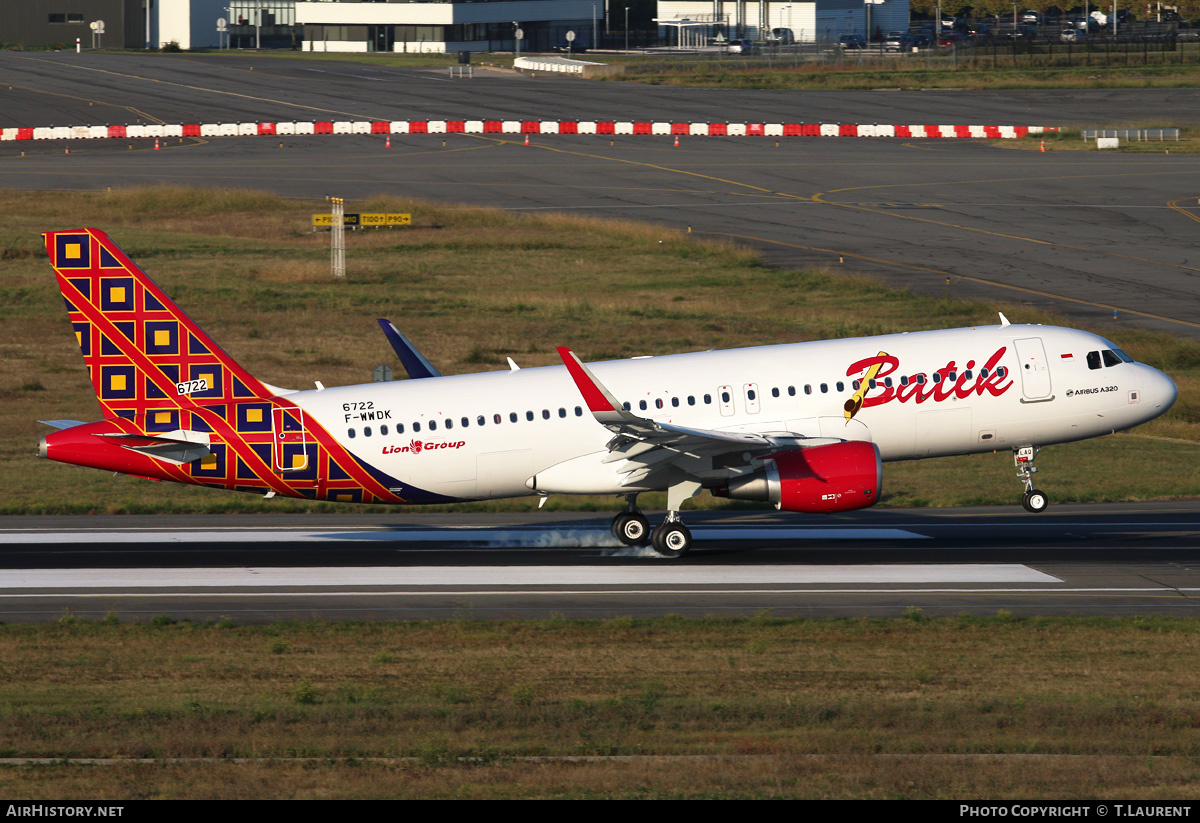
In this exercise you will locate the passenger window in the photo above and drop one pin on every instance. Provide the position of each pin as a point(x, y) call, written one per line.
point(691, 400)
point(626, 406)
point(512, 417)
point(887, 381)
point(496, 419)
point(920, 380)
point(841, 386)
point(856, 384)
point(967, 374)
point(658, 404)
point(383, 430)
point(1093, 359)
point(399, 428)
point(545, 414)
point(528, 415)
point(807, 388)
point(983, 373)
point(724, 397)
point(903, 381)
point(350, 433)
point(792, 391)
point(775, 392)
point(937, 377)
point(466, 421)
point(1110, 358)
point(871, 382)
point(750, 395)
point(824, 388)
point(1000, 370)
point(480, 420)
point(642, 405)
point(366, 431)
point(562, 412)
point(578, 411)
point(433, 425)
point(416, 427)
point(708, 399)
point(675, 402)
point(449, 423)
point(952, 376)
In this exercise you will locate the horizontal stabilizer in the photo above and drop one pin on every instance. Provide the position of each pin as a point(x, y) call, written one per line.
point(414, 362)
point(62, 424)
point(176, 447)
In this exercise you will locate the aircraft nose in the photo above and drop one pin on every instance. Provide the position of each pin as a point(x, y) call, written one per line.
point(1160, 390)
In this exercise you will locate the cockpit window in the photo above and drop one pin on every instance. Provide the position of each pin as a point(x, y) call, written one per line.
point(1093, 359)
point(1110, 357)
point(1124, 357)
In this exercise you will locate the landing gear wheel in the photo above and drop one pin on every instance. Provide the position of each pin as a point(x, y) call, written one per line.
point(631, 528)
point(1035, 501)
point(672, 539)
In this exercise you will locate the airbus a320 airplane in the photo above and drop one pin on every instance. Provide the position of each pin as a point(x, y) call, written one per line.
point(806, 426)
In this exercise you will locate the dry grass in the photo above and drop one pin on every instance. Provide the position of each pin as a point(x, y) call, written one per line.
point(471, 287)
point(911, 707)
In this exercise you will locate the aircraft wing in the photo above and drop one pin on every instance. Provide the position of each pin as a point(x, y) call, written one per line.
point(651, 447)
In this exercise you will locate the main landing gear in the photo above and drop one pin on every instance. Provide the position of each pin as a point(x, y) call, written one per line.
point(1033, 500)
point(670, 539)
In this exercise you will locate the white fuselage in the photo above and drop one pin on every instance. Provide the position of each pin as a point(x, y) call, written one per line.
point(488, 435)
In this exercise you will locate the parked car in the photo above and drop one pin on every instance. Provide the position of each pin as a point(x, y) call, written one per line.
point(1030, 16)
point(852, 41)
point(1070, 35)
point(742, 47)
point(976, 31)
point(898, 41)
point(783, 37)
point(1022, 33)
point(570, 48)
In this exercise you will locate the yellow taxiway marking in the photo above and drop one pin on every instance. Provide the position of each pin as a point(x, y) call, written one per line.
point(942, 273)
point(1175, 205)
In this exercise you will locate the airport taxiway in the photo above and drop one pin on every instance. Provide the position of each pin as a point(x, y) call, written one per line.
point(1085, 233)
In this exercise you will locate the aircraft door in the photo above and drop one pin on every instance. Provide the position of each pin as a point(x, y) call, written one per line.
point(1035, 369)
point(750, 392)
point(291, 442)
point(725, 400)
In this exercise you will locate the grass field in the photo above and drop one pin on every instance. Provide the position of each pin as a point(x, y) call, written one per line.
point(471, 287)
point(906, 708)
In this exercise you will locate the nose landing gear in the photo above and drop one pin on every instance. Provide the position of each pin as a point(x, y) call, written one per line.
point(1033, 500)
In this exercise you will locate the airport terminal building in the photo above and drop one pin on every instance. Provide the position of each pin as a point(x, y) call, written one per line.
point(417, 26)
point(698, 21)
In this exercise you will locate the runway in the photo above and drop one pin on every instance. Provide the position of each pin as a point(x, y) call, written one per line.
point(1118, 559)
point(1086, 234)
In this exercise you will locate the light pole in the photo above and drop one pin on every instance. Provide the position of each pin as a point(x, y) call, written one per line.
point(627, 27)
point(594, 32)
point(517, 38)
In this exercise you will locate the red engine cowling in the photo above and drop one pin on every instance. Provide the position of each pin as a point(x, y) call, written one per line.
point(839, 477)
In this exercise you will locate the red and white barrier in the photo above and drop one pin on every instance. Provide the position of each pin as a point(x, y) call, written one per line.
point(621, 127)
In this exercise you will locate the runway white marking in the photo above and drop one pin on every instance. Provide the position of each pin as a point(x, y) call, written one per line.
point(494, 576)
point(537, 537)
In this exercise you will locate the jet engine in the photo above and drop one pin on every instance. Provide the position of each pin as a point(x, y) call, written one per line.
point(838, 477)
